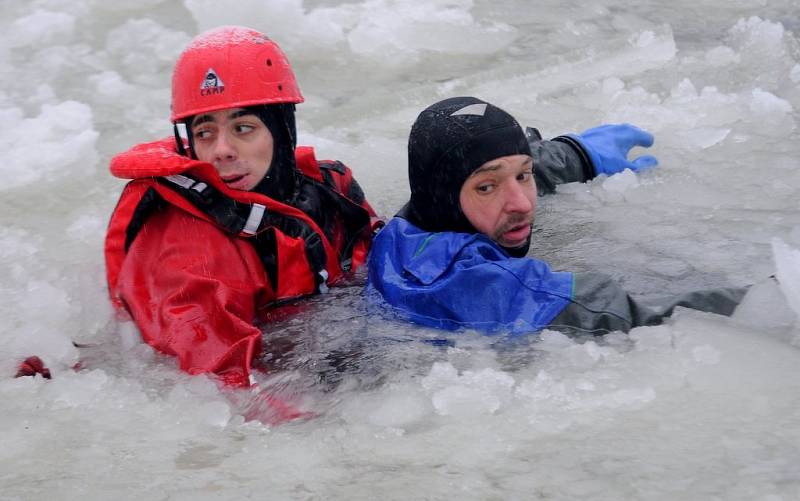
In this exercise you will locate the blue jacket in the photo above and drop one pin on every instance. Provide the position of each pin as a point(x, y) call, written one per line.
point(459, 280)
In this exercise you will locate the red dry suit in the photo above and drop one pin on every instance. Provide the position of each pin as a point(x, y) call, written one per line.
point(196, 263)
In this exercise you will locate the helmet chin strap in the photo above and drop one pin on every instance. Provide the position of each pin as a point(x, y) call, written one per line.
point(179, 141)
point(180, 146)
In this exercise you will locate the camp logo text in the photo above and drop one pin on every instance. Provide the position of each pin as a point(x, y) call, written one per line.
point(212, 84)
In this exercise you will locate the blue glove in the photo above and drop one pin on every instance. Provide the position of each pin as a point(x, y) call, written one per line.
point(608, 146)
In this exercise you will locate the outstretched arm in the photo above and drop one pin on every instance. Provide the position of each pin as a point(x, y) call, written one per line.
point(581, 157)
point(600, 305)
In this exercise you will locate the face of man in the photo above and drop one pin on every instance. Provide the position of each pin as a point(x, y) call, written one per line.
point(237, 143)
point(499, 199)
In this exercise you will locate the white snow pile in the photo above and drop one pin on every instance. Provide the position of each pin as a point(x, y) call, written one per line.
point(392, 32)
point(57, 144)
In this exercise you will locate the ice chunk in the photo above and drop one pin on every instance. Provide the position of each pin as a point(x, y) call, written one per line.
point(706, 354)
point(684, 92)
point(794, 74)
point(612, 85)
point(202, 396)
point(398, 410)
point(556, 400)
point(468, 394)
point(722, 56)
point(787, 264)
point(464, 401)
point(706, 137)
point(157, 48)
point(86, 227)
point(764, 102)
point(622, 182)
point(63, 138)
point(111, 85)
point(553, 341)
point(765, 49)
point(289, 33)
point(410, 27)
point(765, 306)
point(129, 335)
point(756, 32)
point(585, 356)
point(40, 28)
point(652, 338)
point(631, 60)
point(92, 388)
point(37, 325)
point(644, 39)
point(441, 374)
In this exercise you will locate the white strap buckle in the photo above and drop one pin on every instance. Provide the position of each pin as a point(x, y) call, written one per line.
point(254, 219)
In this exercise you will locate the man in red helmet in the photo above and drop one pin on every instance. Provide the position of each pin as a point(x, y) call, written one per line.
point(214, 229)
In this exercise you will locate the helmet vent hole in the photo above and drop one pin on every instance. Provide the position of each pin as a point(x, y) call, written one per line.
point(269, 62)
point(280, 87)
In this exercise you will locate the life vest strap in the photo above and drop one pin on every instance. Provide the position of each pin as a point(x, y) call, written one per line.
point(187, 182)
point(254, 219)
point(250, 219)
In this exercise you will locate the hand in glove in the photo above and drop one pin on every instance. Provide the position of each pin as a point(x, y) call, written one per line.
point(32, 366)
point(608, 146)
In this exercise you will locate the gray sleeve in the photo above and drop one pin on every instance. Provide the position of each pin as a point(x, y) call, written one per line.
point(600, 305)
point(557, 161)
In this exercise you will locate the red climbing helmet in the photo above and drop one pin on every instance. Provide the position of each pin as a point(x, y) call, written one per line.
point(231, 67)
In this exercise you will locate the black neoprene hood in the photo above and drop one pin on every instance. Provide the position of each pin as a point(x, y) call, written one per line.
point(448, 142)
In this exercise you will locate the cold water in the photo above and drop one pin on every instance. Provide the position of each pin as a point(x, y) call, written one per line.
point(701, 408)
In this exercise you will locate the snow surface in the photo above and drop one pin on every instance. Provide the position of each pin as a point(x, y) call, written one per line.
point(702, 408)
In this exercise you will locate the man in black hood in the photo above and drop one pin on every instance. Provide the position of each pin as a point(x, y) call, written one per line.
point(448, 143)
point(455, 254)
